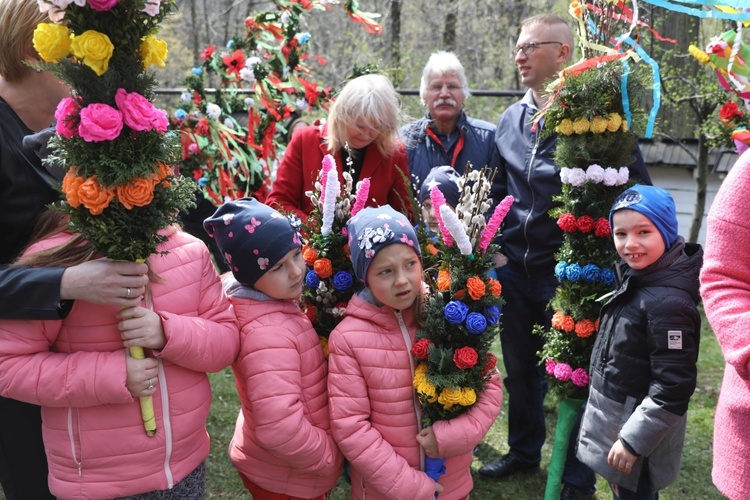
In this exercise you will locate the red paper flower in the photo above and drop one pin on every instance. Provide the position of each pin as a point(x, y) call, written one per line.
point(421, 348)
point(585, 224)
point(601, 228)
point(465, 357)
point(730, 110)
point(207, 52)
point(567, 222)
point(234, 62)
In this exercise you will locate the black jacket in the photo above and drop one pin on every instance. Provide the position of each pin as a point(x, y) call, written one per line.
point(530, 237)
point(643, 368)
point(26, 187)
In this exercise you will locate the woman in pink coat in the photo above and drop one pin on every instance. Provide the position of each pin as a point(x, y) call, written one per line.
point(78, 370)
point(282, 445)
point(725, 288)
point(375, 413)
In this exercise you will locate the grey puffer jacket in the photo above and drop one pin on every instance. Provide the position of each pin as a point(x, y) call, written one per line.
point(643, 369)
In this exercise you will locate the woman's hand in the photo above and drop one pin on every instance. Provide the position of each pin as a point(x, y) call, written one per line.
point(141, 327)
point(103, 281)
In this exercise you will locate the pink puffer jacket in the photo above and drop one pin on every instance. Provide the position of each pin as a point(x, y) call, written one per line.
point(725, 288)
point(375, 415)
point(282, 441)
point(75, 369)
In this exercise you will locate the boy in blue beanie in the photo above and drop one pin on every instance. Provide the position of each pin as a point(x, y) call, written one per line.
point(643, 366)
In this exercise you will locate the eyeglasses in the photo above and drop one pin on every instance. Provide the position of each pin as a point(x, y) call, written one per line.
point(437, 87)
point(529, 48)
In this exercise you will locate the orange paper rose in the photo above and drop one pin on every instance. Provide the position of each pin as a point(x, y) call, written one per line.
point(476, 287)
point(567, 324)
point(444, 280)
point(139, 193)
point(93, 195)
point(163, 171)
point(309, 255)
point(70, 185)
point(495, 288)
point(585, 328)
point(323, 268)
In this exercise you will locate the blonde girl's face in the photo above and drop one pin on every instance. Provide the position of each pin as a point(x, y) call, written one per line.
point(285, 279)
point(360, 135)
point(637, 240)
point(395, 276)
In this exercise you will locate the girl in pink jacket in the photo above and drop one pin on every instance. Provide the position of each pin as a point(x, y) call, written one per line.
point(282, 445)
point(375, 413)
point(78, 370)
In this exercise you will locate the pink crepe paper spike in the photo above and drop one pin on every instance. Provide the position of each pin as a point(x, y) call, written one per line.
point(328, 163)
point(363, 191)
point(437, 201)
point(501, 210)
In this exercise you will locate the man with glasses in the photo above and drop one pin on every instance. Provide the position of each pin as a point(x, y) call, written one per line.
point(529, 240)
point(445, 135)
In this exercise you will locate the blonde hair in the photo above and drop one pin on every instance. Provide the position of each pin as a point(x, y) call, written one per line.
point(369, 99)
point(557, 24)
point(18, 20)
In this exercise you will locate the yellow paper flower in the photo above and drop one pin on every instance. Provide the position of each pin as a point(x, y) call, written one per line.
point(565, 127)
point(468, 396)
point(153, 51)
point(614, 122)
point(581, 125)
point(52, 41)
point(427, 389)
point(702, 57)
point(94, 49)
point(449, 397)
point(599, 124)
point(624, 126)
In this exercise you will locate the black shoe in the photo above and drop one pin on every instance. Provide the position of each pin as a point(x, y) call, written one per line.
point(506, 466)
point(570, 492)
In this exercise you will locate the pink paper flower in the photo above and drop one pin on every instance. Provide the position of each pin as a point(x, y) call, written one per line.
point(138, 113)
point(67, 115)
point(549, 366)
point(363, 191)
point(328, 163)
point(102, 5)
point(100, 122)
point(579, 377)
point(437, 201)
point(563, 371)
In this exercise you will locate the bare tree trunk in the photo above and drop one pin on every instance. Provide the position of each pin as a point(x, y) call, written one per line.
point(228, 21)
point(700, 175)
point(396, 38)
point(449, 34)
point(194, 35)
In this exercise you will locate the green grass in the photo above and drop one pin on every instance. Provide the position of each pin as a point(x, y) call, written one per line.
point(694, 481)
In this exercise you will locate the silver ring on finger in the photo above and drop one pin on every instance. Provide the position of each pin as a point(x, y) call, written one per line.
point(128, 295)
point(150, 385)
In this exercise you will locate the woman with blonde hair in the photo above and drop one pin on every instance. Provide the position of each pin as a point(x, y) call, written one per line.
point(362, 135)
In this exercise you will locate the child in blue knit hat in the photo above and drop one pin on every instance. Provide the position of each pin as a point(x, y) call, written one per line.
point(375, 414)
point(643, 366)
point(282, 443)
point(445, 178)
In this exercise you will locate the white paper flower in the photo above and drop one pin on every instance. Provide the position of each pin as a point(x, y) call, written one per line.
point(576, 177)
point(595, 173)
point(213, 111)
point(610, 177)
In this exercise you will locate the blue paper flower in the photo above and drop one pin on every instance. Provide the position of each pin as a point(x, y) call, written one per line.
point(560, 270)
point(202, 181)
point(180, 113)
point(476, 323)
point(591, 273)
point(573, 272)
point(492, 313)
point(455, 312)
point(312, 280)
point(197, 71)
point(608, 277)
point(303, 37)
point(342, 281)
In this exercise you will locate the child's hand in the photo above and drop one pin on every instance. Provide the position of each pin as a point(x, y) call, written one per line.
point(142, 376)
point(427, 440)
point(141, 327)
point(620, 458)
point(439, 488)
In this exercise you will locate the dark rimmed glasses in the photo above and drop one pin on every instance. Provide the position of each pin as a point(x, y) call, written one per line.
point(529, 48)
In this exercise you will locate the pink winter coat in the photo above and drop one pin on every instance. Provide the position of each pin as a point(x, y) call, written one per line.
point(375, 414)
point(282, 441)
point(725, 288)
point(75, 369)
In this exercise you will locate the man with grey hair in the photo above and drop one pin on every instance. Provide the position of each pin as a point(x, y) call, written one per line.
point(445, 135)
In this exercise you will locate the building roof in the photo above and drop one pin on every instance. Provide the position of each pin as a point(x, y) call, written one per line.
point(670, 153)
